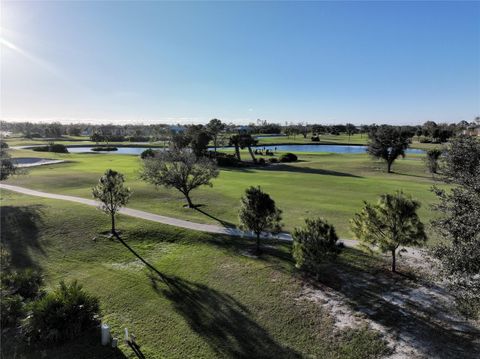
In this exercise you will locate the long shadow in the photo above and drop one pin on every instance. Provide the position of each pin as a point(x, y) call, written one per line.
point(318, 171)
point(285, 167)
point(224, 323)
point(411, 175)
point(20, 234)
point(386, 299)
point(221, 221)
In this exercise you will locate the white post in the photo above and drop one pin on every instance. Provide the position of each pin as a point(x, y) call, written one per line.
point(105, 334)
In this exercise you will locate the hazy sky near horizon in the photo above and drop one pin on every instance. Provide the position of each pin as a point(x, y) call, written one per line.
point(324, 62)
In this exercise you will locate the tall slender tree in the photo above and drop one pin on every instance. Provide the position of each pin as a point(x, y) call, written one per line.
point(235, 142)
point(258, 213)
point(432, 158)
point(247, 141)
point(350, 129)
point(112, 193)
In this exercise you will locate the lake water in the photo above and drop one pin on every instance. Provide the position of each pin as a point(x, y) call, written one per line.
point(282, 148)
point(325, 148)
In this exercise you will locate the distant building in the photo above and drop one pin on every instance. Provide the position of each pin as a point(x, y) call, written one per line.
point(473, 130)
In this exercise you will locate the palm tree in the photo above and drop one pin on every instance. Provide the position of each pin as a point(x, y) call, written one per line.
point(235, 141)
point(248, 141)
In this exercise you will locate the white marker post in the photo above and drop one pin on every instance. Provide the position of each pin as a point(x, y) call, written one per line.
point(105, 334)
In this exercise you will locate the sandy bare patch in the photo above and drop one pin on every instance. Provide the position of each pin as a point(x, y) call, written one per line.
point(416, 320)
point(25, 162)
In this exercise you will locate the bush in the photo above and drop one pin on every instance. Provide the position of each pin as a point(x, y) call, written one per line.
point(138, 139)
point(104, 148)
point(288, 157)
point(148, 153)
point(314, 244)
point(423, 139)
point(261, 161)
point(273, 160)
point(11, 307)
point(57, 148)
point(25, 283)
point(227, 160)
point(63, 314)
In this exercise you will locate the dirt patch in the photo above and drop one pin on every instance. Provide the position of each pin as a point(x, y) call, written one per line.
point(417, 319)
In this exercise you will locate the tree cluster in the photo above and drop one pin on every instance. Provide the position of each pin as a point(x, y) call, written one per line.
point(459, 222)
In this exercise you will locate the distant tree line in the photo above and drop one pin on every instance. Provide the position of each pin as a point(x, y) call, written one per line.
point(430, 131)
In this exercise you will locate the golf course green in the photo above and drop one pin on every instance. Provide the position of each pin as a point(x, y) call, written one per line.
point(333, 186)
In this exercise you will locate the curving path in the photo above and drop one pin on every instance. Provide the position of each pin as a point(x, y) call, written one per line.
point(210, 228)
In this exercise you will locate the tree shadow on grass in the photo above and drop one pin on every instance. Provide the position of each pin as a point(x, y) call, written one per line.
point(221, 221)
point(20, 234)
point(224, 323)
point(310, 170)
point(410, 312)
point(280, 167)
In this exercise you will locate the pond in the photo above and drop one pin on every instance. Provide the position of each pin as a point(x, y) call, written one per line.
point(281, 148)
point(325, 148)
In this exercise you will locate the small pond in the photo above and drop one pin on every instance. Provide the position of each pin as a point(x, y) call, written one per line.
point(281, 148)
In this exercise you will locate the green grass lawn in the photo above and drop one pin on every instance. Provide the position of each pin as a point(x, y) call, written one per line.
point(342, 139)
point(330, 185)
point(212, 300)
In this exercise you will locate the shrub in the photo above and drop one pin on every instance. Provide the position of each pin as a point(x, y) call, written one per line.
point(116, 138)
point(25, 283)
point(273, 160)
point(423, 139)
point(314, 244)
point(148, 153)
point(138, 138)
point(227, 160)
point(433, 155)
point(11, 307)
point(58, 148)
point(104, 148)
point(63, 314)
point(288, 157)
point(261, 161)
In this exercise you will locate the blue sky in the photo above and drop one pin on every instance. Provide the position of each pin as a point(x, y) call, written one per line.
point(322, 62)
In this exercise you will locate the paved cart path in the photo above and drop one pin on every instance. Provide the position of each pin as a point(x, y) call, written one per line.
point(210, 228)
